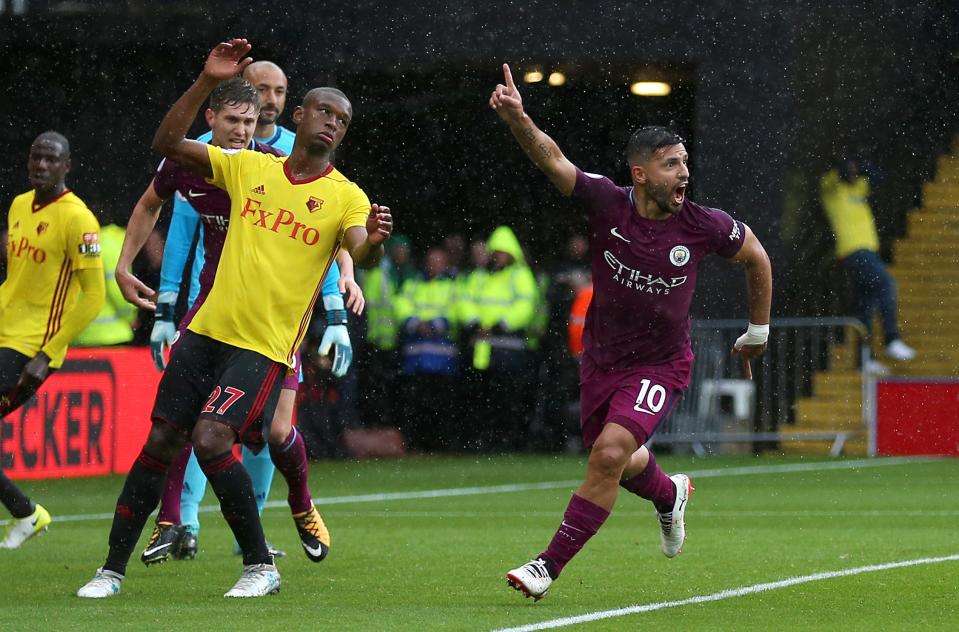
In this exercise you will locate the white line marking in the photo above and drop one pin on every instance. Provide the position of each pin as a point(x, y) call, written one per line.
point(627, 513)
point(786, 468)
point(729, 593)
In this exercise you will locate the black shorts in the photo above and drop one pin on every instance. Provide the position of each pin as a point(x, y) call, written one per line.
point(213, 380)
point(11, 366)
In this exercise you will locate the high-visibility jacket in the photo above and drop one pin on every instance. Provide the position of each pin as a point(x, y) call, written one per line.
point(380, 293)
point(505, 305)
point(429, 302)
point(114, 324)
point(468, 287)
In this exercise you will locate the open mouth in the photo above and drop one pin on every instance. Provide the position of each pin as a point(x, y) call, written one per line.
point(327, 138)
point(679, 194)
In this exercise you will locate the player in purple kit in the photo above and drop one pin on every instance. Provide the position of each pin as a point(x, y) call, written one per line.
point(648, 241)
point(232, 116)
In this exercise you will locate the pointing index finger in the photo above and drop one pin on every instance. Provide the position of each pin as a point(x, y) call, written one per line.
point(509, 78)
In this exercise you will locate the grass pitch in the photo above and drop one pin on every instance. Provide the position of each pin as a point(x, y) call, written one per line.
point(424, 543)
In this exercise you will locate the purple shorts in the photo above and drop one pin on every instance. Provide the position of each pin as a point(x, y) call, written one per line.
point(638, 399)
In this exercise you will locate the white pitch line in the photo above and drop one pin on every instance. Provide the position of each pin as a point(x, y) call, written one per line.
point(786, 468)
point(729, 593)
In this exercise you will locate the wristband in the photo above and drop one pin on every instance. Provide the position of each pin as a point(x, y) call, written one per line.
point(335, 309)
point(166, 302)
point(755, 335)
point(336, 317)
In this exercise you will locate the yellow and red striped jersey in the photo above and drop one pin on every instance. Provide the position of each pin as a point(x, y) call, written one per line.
point(46, 245)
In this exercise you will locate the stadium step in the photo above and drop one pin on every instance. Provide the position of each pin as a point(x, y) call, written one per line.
point(926, 269)
point(853, 446)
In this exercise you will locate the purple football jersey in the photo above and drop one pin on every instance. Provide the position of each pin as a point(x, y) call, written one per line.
point(211, 203)
point(644, 274)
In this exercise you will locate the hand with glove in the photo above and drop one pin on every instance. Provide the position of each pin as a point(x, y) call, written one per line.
point(164, 331)
point(336, 335)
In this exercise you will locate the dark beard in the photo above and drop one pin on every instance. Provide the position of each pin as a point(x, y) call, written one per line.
point(662, 195)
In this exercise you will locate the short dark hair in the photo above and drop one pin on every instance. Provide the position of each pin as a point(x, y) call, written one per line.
point(646, 140)
point(234, 91)
point(51, 136)
point(316, 92)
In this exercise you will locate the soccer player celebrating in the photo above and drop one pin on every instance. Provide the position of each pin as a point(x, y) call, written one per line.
point(288, 218)
point(54, 289)
point(648, 242)
point(186, 484)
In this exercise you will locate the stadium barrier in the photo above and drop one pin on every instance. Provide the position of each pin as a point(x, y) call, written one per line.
point(760, 411)
point(89, 418)
point(916, 416)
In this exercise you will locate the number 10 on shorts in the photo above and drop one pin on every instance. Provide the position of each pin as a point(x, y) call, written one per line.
point(651, 398)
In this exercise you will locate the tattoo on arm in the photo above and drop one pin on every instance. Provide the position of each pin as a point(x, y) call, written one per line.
point(544, 150)
point(529, 134)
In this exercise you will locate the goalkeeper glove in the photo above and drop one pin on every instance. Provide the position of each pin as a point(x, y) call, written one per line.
point(336, 335)
point(164, 331)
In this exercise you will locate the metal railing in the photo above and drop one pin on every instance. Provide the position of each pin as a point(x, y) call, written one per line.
point(762, 411)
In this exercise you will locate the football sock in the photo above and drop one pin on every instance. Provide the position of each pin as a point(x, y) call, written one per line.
point(260, 468)
point(290, 459)
point(653, 485)
point(580, 522)
point(13, 499)
point(170, 502)
point(231, 484)
point(139, 497)
point(194, 488)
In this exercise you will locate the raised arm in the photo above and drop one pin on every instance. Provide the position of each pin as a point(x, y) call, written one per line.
point(759, 291)
point(226, 60)
point(365, 245)
point(540, 148)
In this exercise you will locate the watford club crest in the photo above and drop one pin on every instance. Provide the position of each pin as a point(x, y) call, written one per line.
point(314, 204)
point(42, 228)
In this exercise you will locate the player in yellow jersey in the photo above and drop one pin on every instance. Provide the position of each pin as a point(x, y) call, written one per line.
point(289, 217)
point(53, 253)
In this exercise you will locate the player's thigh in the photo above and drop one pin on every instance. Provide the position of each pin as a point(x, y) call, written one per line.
point(642, 402)
point(245, 394)
point(187, 383)
point(282, 421)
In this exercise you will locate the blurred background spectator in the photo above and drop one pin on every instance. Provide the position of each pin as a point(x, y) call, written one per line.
point(496, 322)
point(429, 358)
point(844, 193)
point(114, 324)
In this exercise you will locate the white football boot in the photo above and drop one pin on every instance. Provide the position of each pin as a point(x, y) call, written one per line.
point(104, 584)
point(531, 578)
point(257, 580)
point(672, 525)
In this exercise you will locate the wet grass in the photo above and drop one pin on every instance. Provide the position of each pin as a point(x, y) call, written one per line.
point(405, 557)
